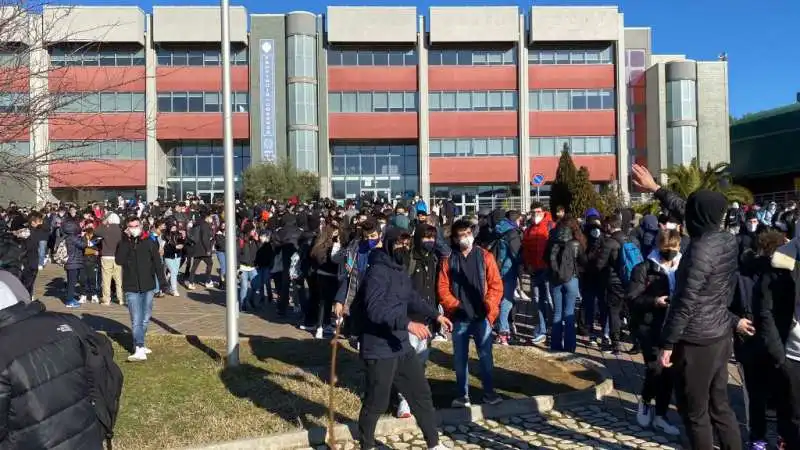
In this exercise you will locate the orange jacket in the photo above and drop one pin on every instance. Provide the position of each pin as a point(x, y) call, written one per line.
point(534, 242)
point(492, 288)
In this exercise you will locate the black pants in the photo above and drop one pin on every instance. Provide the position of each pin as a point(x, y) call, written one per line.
point(28, 277)
point(311, 308)
point(407, 375)
point(787, 401)
point(196, 265)
point(614, 304)
point(758, 378)
point(326, 291)
point(90, 281)
point(701, 383)
point(658, 381)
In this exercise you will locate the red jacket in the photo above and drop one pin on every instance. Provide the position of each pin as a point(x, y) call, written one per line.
point(493, 288)
point(534, 242)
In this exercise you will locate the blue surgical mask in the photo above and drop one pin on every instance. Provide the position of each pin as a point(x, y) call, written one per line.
point(428, 245)
point(373, 243)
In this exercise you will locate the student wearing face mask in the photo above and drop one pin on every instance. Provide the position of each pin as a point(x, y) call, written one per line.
point(470, 290)
point(534, 244)
point(748, 234)
point(652, 283)
point(591, 287)
point(326, 246)
point(353, 264)
point(141, 267)
point(384, 329)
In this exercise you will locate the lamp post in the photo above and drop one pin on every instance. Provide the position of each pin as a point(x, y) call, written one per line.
point(231, 300)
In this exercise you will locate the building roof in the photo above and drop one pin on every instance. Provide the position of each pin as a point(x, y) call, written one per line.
point(766, 143)
point(761, 115)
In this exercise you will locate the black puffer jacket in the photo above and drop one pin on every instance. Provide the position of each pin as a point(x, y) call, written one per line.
point(706, 278)
point(44, 395)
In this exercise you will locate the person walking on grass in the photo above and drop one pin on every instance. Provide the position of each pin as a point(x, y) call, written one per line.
point(141, 267)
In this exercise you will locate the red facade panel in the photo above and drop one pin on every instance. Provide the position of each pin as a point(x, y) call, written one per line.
point(572, 76)
point(96, 79)
point(373, 126)
point(14, 79)
point(476, 170)
point(349, 79)
point(573, 123)
point(472, 78)
point(106, 173)
point(15, 127)
point(601, 168)
point(199, 126)
point(473, 124)
point(196, 79)
point(126, 126)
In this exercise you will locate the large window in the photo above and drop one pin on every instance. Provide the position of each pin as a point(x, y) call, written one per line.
point(474, 147)
point(681, 103)
point(571, 56)
point(363, 102)
point(112, 149)
point(96, 55)
point(376, 57)
point(302, 104)
point(681, 145)
point(108, 102)
point(303, 148)
point(14, 102)
point(453, 57)
point(199, 55)
point(14, 57)
point(578, 145)
point(571, 99)
point(302, 56)
point(197, 167)
point(378, 170)
point(17, 148)
point(473, 101)
point(201, 101)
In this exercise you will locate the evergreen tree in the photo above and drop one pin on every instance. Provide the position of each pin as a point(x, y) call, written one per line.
point(565, 183)
point(584, 196)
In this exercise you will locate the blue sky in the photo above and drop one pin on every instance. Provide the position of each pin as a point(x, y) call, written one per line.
point(760, 37)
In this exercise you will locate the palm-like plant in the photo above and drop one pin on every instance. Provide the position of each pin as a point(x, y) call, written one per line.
point(684, 180)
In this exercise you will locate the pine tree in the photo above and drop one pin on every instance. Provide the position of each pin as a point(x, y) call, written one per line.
point(584, 196)
point(564, 185)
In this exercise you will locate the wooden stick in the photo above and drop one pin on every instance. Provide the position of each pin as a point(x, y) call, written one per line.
point(331, 411)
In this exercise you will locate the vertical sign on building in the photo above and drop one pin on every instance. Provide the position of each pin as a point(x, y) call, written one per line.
point(267, 69)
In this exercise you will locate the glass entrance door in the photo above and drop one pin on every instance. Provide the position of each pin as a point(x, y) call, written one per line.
point(210, 196)
point(375, 193)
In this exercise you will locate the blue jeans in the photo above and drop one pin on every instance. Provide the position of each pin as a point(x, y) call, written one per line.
point(42, 252)
point(540, 293)
point(264, 285)
point(173, 267)
point(509, 286)
point(222, 267)
point(562, 336)
point(481, 332)
point(248, 285)
point(140, 306)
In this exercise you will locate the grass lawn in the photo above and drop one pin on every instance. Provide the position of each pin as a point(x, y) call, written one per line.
point(182, 395)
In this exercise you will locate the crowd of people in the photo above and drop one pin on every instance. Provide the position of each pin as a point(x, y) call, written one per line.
point(687, 288)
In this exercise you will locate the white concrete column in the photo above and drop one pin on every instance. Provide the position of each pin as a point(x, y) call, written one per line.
point(156, 167)
point(524, 118)
point(39, 63)
point(623, 157)
point(423, 114)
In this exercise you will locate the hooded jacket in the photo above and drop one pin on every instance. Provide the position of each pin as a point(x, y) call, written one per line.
point(44, 392)
point(706, 278)
point(509, 255)
point(75, 245)
point(388, 297)
point(422, 270)
point(647, 233)
point(534, 242)
point(564, 245)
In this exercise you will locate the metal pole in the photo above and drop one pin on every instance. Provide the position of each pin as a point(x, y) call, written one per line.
point(538, 198)
point(231, 300)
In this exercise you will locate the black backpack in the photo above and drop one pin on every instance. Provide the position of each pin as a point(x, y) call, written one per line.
point(562, 262)
point(104, 376)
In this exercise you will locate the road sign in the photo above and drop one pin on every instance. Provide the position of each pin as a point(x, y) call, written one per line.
point(537, 180)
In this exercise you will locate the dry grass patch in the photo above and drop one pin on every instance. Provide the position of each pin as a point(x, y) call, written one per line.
point(182, 395)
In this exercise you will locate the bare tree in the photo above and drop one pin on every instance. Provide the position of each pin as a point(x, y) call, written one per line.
point(44, 92)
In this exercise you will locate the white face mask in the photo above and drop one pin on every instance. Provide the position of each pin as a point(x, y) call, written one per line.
point(135, 232)
point(538, 218)
point(24, 233)
point(672, 226)
point(735, 205)
point(752, 227)
point(466, 243)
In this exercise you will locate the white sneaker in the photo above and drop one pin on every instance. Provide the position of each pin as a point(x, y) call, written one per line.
point(318, 334)
point(138, 355)
point(644, 415)
point(209, 285)
point(147, 351)
point(82, 299)
point(95, 299)
point(41, 267)
point(440, 447)
point(661, 424)
point(403, 410)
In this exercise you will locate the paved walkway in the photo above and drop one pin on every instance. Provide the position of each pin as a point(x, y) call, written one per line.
point(610, 423)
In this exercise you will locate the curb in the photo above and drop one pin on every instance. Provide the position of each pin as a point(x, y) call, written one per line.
point(448, 416)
